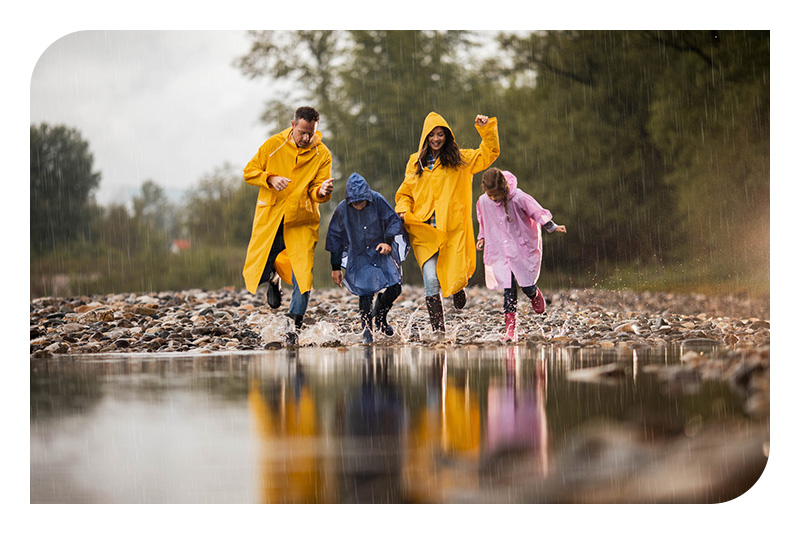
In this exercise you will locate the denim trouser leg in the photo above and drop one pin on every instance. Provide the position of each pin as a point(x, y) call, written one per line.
point(430, 277)
point(299, 303)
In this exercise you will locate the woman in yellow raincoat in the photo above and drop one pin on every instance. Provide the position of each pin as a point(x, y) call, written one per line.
point(293, 172)
point(435, 203)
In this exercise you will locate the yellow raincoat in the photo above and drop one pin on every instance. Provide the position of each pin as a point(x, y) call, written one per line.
point(297, 205)
point(448, 193)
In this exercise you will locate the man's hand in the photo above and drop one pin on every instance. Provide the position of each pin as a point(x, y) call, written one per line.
point(481, 120)
point(479, 244)
point(326, 188)
point(337, 277)
point(278, 183)
point(383, 248)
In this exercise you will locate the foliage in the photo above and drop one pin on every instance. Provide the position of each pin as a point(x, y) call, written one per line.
point(62, 182)
point(652, 147)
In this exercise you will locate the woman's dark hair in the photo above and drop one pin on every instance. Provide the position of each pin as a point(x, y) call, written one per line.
point(449, 155)
point(307, 114)
point(494, 180)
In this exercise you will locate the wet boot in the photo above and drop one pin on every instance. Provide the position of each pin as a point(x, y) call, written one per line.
point(366, 326)
point(511, 327)
point(274, 290)
point(291, 336)
point(460, 299)
point(435, 312)
point(537, 301)
point(379, 312)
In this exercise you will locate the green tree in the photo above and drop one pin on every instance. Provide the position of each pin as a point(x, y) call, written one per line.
point(577, 134)
point(219, 211)
point(710, 119)
point(62, 184)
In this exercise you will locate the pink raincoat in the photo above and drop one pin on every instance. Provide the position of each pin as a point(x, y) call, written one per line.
point(515, 246)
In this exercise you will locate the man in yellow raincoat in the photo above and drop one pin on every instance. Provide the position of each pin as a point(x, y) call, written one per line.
point(435, 203)
point(293, 172)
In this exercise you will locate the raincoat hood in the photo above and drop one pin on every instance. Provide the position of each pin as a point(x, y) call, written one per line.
point(355, 234)
point(513, 237)
point(357, 189)
point(297, 206)
point(437, 203)
point(511, 180)
point(432, 121)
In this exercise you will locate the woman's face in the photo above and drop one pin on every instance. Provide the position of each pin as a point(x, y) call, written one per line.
point(436, 139)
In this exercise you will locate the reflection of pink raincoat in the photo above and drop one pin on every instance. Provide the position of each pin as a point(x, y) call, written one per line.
point(515, 246)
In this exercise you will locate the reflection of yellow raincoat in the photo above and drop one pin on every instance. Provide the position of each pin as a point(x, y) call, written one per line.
point(297, 205)
point(448, 193)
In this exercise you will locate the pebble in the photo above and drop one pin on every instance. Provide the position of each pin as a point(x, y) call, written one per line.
point(720, 338)
point(233, 319)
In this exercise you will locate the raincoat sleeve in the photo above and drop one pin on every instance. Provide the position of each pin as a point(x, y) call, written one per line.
point(254, 172)
point(392, 224)
point(336, 240)
point(534, 210)
point(403, 200)
point(479, 212)
point(489, 149)
point(323, 174)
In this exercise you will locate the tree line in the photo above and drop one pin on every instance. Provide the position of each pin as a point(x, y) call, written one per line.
point(651, 146)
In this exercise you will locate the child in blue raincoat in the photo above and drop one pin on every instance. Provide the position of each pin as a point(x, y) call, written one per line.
point(368, 240)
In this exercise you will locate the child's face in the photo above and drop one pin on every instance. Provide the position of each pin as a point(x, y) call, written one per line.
point(494, 194)
point(359, 205)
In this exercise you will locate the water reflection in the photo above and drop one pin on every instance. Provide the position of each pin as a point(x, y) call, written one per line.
point(360, 425)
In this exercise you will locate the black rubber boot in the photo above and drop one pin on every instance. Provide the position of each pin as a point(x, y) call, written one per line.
point(435, 312)
point(460, 299)
point(380, 311)
point(291, 336)
point(365, 312)
point(274, 291)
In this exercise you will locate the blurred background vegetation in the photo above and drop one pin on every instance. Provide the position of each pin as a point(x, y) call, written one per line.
point(652, 147)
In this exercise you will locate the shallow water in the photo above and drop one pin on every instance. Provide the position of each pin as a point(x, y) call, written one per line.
point(400, 424)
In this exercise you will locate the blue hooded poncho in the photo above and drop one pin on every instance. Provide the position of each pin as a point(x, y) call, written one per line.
point(353, 236)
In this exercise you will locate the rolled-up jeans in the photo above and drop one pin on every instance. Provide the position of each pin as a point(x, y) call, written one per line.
point(429, 276)
point(299, 303)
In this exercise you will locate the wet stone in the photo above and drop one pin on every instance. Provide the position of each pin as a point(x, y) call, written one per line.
point(231, 319)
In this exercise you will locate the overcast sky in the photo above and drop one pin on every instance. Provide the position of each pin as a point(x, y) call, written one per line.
point(167, 106)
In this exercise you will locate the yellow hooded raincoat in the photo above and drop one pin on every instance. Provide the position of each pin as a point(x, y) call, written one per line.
point(448, 194)
point(297, 205)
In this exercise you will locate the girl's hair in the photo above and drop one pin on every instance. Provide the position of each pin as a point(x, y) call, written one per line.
point(449, 155)
point(493, 180)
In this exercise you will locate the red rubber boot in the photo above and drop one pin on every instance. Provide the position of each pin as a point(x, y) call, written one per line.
point(511, 327)
point(538, 302)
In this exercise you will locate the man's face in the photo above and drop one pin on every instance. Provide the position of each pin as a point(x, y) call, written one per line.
point(303, 132)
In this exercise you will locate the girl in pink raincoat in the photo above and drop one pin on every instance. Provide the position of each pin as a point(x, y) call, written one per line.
point(512, 220)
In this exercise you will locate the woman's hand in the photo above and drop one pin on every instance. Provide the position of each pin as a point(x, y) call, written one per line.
point(337, 277)
point(481, 120)
point(561, 228)
point(402, 215)
point(383, 248)
point(479, 244)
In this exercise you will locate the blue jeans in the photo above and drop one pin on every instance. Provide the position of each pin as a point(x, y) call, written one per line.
point(299, 303)
point(429, 276)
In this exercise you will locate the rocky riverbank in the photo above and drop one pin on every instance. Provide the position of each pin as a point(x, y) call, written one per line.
point(234, 320)
point(225, 320)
